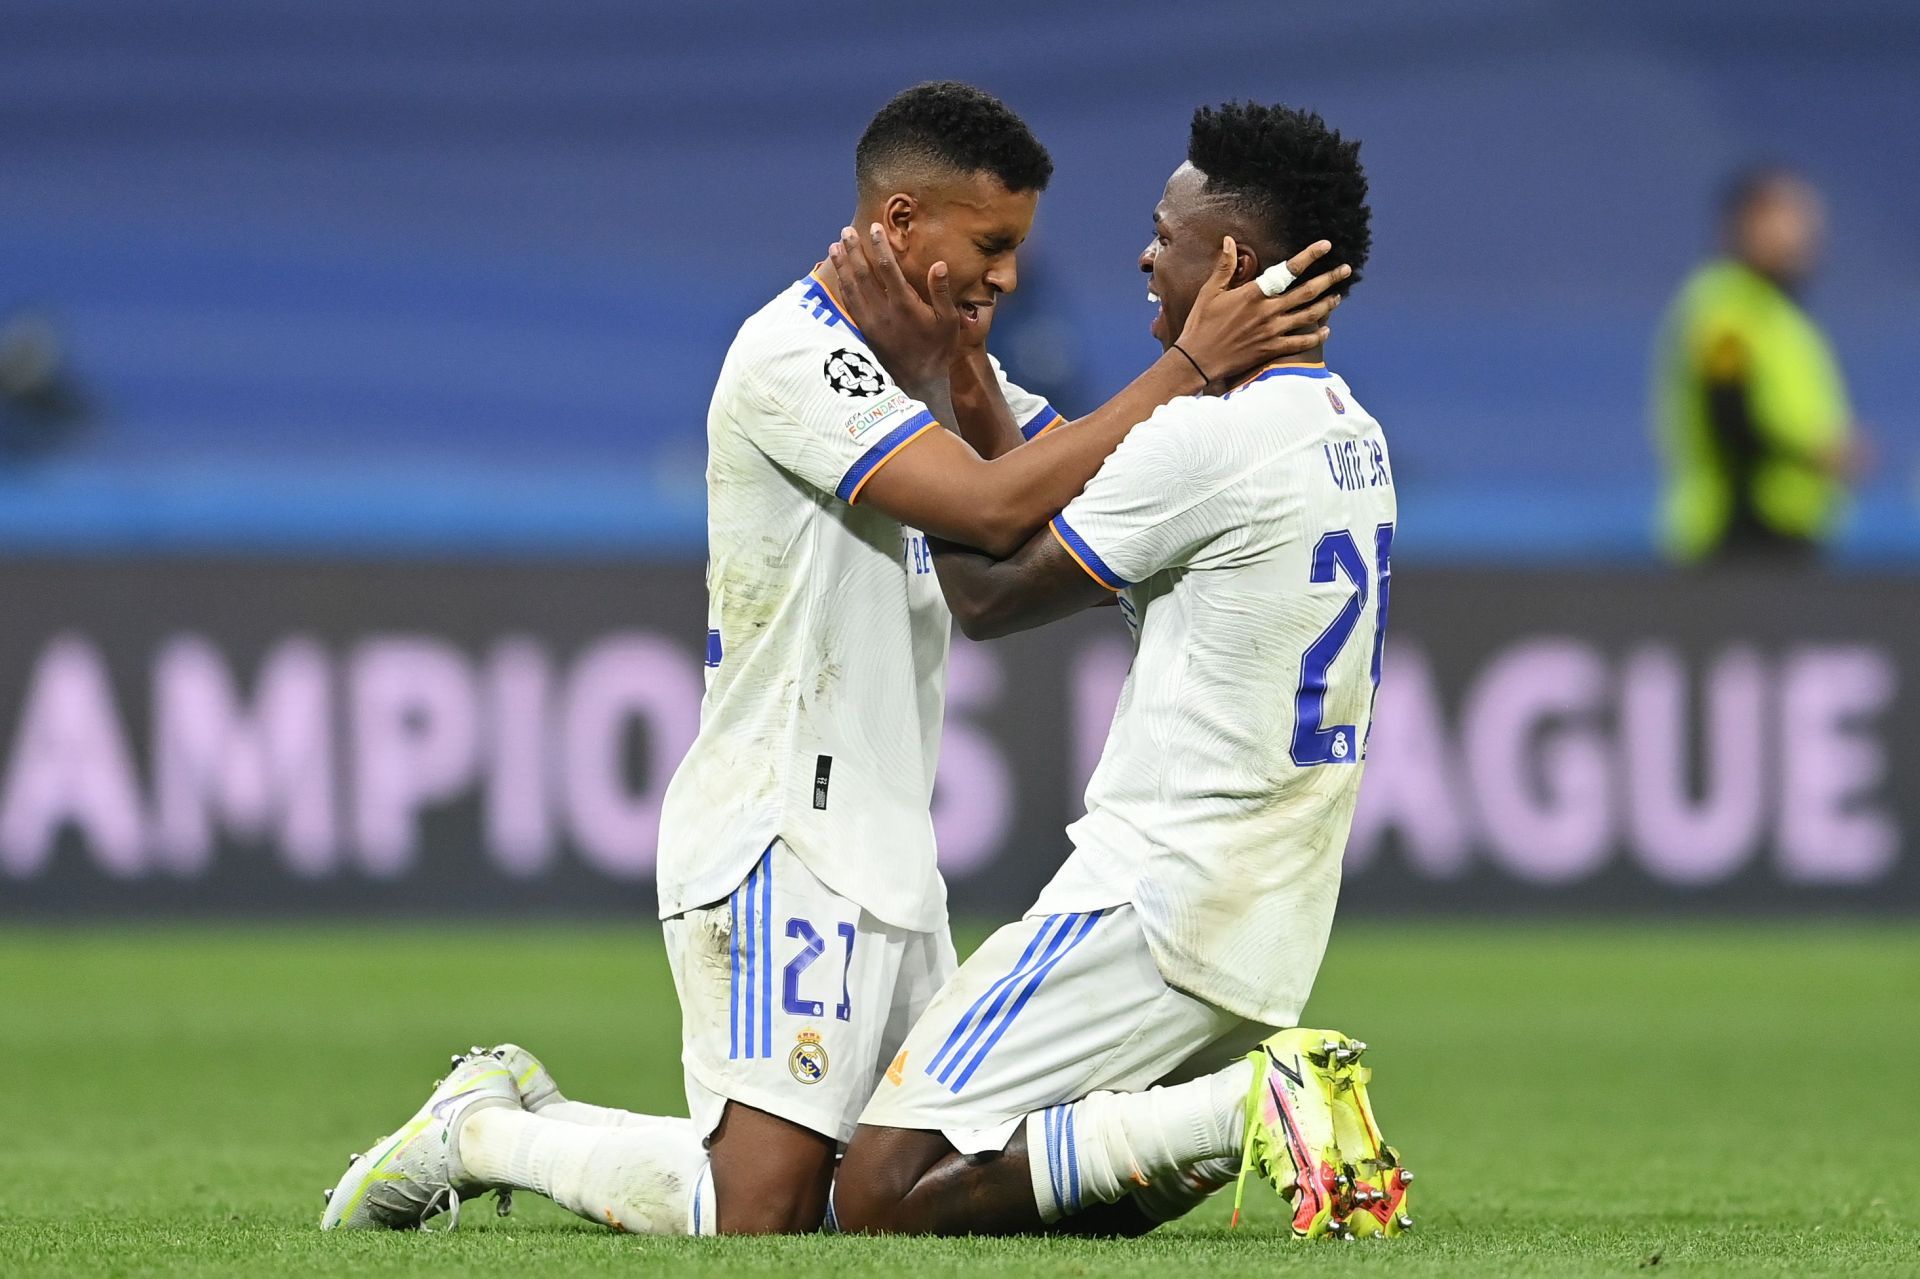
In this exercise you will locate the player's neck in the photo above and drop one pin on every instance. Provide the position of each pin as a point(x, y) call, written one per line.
point(864, 218)
point(1315, 356)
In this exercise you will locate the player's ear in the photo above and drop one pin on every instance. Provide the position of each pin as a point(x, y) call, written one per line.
point(897, 217)
point(1246, 265)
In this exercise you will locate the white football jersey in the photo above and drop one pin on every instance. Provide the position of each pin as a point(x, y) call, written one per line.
point(1250, 537)
point(826, 630)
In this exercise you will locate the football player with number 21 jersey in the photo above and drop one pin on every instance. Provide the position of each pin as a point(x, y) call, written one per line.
point(1131, 1045)
point(804, 916)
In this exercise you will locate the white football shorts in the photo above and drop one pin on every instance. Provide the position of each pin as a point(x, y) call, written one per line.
point(793, 999)
point(1048, 1010)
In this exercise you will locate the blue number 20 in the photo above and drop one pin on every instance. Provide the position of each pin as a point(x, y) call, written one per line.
point(1338, 555)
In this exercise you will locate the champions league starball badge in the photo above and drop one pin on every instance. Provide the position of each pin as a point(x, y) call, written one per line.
point(853, 374)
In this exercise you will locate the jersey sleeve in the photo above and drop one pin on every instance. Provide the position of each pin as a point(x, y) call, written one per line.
point(1034, 415)
point(1153, 505)
point(830, 414)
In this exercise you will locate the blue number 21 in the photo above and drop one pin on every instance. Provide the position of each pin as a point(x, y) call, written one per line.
point(1337, 555)
point(812, 946)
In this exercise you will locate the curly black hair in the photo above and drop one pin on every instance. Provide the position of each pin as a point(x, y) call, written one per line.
point(1299, 178)
point(957, 127)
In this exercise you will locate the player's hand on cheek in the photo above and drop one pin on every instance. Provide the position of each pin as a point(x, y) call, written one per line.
point(1235, 328)
point(915, 340)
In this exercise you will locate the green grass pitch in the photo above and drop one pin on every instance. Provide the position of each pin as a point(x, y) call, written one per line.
point(1576, 1099)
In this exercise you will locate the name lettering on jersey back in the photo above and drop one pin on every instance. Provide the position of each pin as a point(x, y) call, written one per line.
point(918, 554)
point(862, 424)
point(1358, 464)
point(816, 301)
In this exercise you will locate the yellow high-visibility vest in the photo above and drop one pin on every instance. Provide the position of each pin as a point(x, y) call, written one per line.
point(1730, 322)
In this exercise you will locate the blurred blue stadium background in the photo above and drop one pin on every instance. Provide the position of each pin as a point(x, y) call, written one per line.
point(370, 278)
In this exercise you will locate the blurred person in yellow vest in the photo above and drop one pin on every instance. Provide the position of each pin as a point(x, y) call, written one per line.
point(1750, 410)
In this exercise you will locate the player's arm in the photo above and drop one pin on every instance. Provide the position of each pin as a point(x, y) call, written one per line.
point(1037, 584)
point(939, 484)
point(995, 416)
point(817, 407)
point(982, 416)
point(1152, 506)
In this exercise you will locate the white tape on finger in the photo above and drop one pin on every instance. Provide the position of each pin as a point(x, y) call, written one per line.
point(1275, 280)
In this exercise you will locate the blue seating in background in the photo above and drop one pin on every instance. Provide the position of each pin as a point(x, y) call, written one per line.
point(374, 283)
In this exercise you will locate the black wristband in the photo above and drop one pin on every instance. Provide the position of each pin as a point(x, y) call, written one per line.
point(1204, 379)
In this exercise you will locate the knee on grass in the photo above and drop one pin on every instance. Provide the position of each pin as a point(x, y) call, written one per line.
point(763, 1218)
point(882, 1169)
point(861, 1207)
point(795, 1206)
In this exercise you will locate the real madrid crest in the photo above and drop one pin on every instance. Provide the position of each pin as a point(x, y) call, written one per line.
point(808, 1060)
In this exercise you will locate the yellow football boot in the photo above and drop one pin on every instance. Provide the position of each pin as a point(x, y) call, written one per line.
point(1369, 1166)
point(1290, 1141)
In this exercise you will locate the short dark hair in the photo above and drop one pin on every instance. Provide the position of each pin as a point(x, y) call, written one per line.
point(1746, 186)
point(957, 127)
point(1299, 178)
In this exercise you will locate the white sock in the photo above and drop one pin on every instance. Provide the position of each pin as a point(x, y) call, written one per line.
point(583, 1112)
point(549, 1103)
point(1172, 1197)
point(1108, 1145)
point(643, 1177)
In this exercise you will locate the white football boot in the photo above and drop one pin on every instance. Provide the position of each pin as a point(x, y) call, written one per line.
point(531, 1078)
point(414, 1174)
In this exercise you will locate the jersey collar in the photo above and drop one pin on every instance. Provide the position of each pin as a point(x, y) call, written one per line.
point(1281, 369)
